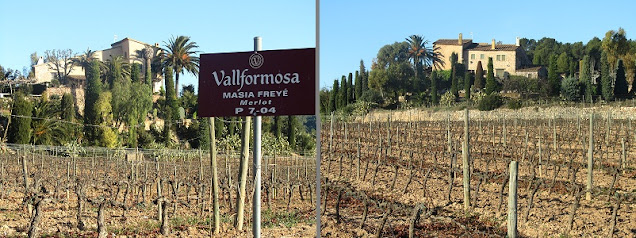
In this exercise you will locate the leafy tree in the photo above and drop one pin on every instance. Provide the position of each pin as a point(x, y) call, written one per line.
point(620, 86)
point(593, 49)
point(563, 63)
point(454, 76)
point(180, 54)
point(479, 77)
point(571, 89)
point(120, 88)
point(615, 45)
point(333, 102)
point(91, 114)
point(467, 83)
point(491, 84)
point(553, 78)
point(434, 97)
point(606, 79)
point(20, 128)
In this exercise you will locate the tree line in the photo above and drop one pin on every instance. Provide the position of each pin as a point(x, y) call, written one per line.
point(402, 75)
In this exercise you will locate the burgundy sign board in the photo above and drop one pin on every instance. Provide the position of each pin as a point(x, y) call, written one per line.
point(264, 83)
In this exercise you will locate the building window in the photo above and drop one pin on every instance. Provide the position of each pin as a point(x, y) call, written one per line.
point(503, 57)
point(481, 56)
point(499, 73)
point(498, 57)
point(472, 56)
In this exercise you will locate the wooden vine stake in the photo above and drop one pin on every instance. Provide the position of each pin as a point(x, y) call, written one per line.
point(215, 178)
point(512, 200)
point(590, 160)
point(466, 162)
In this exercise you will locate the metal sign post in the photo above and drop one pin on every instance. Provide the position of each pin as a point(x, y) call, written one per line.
point(256, 214)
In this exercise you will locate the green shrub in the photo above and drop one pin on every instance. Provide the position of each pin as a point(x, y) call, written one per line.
point(571, 89)
point(514, 104)
point(490, 102)
point(447, 99)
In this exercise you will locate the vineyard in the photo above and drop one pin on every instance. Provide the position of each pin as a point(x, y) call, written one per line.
point(410, 176)
point(85, 191)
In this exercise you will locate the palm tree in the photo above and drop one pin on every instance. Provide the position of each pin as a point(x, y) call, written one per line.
point(180, 54)
point(420, 54)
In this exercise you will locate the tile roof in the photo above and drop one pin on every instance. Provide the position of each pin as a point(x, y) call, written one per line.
point(450, 41)
point(530, 69)
point(488, 47)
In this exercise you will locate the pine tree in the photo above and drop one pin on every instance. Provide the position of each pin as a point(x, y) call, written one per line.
point(454, 75)
point(434, 98)
point(479, 77)
point(20, 127)
point(554, 83)
point(491, 84)
point(606, 79)
point(620, 86)
point(91, 114)
point(467, 78)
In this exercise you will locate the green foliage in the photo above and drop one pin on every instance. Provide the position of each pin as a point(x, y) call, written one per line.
point(333, 102)
point(514, 104)
point(479, 77)
point(563, 63)
point(620, 86)
point(372, 96)
point(467, 84)
point(585, 78)
point(20, 127)
point(606, 79)
point(571, 89)
point(67, 108)
point(91, 95)
point(521, 84)
point(490, 102)
point(364, 78)
point(434, 98)
point(121, 90)
point(554, 83)
point(203, 134)
point(491, 84)
point(170, 107)
point(291, 131)
point(135, 69)
point(358, 86)
point(454, 75)
point(277, 127)
point(350, 89)
point(180, 54)
point(447, 99)
point(47, 130)
point(342, 93)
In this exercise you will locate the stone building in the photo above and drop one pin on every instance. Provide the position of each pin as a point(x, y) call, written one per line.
point(130, 49)
point(507, 59)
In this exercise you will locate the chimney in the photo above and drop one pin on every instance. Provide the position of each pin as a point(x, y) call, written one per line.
point(460, 40)
point(493, 44)
point(517, 43)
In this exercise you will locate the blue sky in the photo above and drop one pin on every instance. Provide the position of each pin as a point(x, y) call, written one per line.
point(217, 26)
point(354, 30)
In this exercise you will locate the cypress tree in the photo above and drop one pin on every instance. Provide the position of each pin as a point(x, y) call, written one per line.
point(20, 127)
point(620, 86)
point(454, 75)
point(92, 92)
point(364, 76)
point(170, 107)
point(479, 77)
point(333, 97)
point(278, 127)
point(606, 79)
point(342, 98)
point(553, 77)
point(585, 77)
point(134, 72)
point(350, 89)
point(491, 84)
point(67, 107)
point(291, 131)
point(358, 86)
point(434, 98)
point(204, 133)
point(467, 84)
